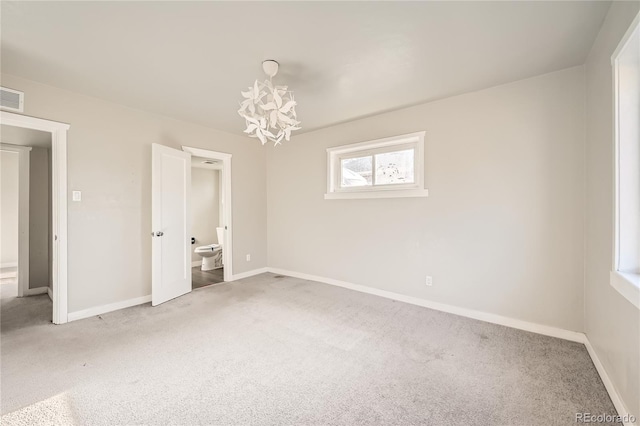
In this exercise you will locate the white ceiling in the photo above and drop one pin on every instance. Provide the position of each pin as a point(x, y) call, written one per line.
point(25, 137)
point(344, 60)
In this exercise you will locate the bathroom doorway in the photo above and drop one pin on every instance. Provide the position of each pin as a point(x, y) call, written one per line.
point(210, 217)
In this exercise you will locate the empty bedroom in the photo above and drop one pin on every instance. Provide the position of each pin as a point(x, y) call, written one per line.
point(320, 213)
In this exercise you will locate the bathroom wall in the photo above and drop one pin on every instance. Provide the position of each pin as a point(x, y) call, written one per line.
point(39, 217)
point(109, 160)
point(502, 229)
point(612, 323)
point(8, 209)
point(205, 207)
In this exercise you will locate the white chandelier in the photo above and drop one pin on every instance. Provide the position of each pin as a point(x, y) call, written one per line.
point(269, 111)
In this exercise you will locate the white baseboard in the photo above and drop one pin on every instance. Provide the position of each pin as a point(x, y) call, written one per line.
point(8, 265)
point(35, 291)
point(196, 263)
point(469, 313)
point(546, 330)
point(249, 273)
point(50, 293)
point(608, 384)
point(98, 310)
point(573, 336)
point(12, 274)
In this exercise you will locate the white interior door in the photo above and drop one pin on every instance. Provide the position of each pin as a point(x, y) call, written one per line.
point(170, 205)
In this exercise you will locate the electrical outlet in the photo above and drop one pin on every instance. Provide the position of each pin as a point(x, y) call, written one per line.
point(248, 258)
point(429, 281)
point(77, 196)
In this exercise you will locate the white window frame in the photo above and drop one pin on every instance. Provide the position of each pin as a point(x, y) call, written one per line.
point(370, 148)
point(627, 284)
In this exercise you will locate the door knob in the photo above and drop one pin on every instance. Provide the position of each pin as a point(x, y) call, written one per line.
point(157, 234)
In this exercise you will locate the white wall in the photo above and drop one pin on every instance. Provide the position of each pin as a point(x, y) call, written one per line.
point(109, 160)
point(205, 207)
point(8, 208)
point(502, 229)
point(39, 218)
point(612, 323)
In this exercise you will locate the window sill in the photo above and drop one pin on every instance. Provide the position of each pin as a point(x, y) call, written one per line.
point(403, 193)
point(628, 285)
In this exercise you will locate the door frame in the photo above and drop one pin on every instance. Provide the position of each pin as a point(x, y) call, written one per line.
point(59, 203)
point(227, 205)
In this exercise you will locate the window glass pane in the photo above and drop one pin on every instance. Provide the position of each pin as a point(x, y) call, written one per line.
point(356, 171)
point(395, 167)
point(628, 97)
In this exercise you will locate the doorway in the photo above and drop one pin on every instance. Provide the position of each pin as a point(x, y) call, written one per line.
point(25, 229)
point(171, 233)
point(214, 167)
point(41, 255)
point(207, 222)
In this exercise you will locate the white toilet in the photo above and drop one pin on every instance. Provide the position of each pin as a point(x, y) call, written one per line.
point(212, 254)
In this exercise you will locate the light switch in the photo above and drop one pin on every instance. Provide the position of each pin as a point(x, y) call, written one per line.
point(77, 196)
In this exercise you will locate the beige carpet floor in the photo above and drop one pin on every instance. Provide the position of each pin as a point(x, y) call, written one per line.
point(283, 351)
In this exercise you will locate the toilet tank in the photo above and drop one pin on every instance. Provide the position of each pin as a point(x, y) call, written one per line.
point(220, 231)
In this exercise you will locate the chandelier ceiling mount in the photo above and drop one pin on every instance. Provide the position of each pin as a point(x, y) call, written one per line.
point(270, 67)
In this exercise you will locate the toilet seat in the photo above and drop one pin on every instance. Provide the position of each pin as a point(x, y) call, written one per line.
point(209, 248)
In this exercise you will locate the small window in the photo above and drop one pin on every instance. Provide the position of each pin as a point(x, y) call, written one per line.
point(625, 274)
point(390, 167)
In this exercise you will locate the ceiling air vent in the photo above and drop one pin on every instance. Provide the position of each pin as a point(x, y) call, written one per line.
point(11, 99)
